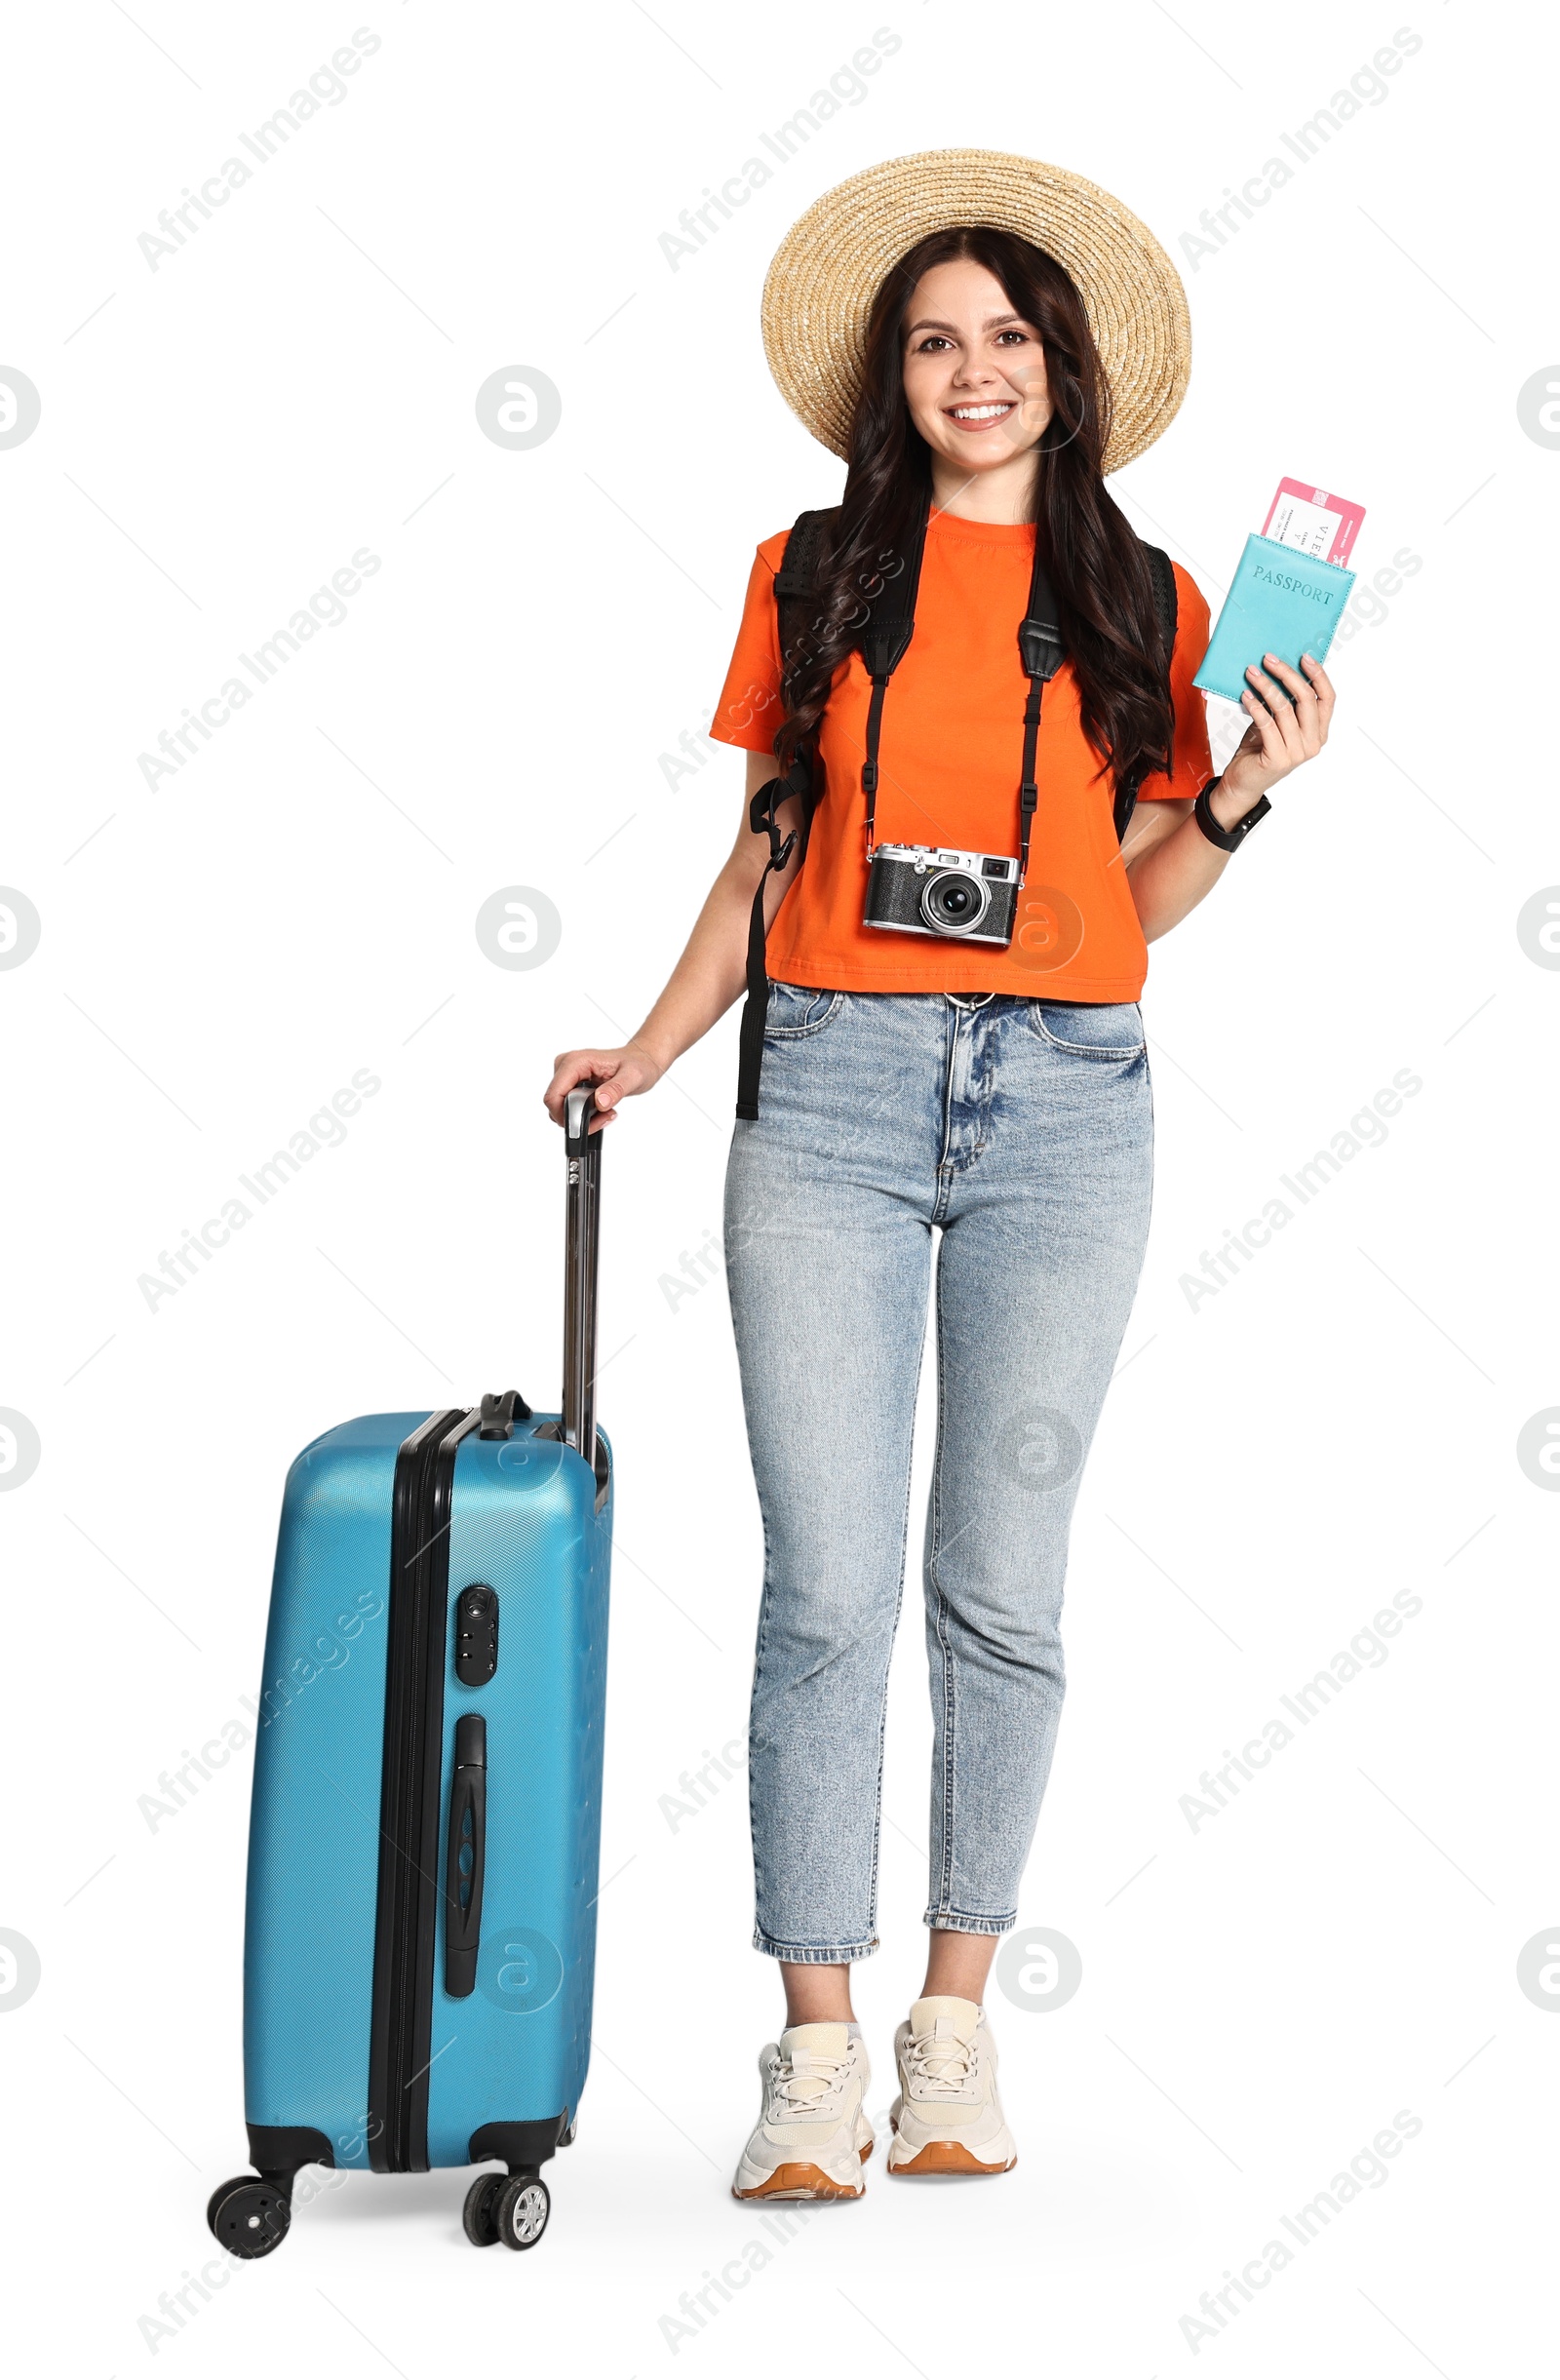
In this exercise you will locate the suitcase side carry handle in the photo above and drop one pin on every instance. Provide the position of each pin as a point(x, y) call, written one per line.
point(465, 1855)
point(581, 1238)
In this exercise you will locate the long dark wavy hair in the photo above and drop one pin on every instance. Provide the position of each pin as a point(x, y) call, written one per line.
point(1096, 564)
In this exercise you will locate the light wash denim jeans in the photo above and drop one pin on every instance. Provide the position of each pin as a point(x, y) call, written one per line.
point(1023, 1131)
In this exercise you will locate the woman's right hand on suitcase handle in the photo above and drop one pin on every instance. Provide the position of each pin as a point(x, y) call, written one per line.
point(617, 1072)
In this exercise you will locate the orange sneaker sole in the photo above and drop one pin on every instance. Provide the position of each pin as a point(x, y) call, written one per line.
point(950, 2157)
point(804, 2181)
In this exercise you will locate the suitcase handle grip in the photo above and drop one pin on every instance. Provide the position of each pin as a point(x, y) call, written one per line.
point(579, 1106)
point(583, 1149)
point(465, 1855)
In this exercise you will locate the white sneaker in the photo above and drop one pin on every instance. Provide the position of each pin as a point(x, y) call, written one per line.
point(947, 2118)
point(812, 2136)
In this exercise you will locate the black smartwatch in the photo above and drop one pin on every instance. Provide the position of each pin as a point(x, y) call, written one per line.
point(1226, 839)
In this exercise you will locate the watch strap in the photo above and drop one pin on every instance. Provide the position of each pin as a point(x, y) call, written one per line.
point(1226, 839)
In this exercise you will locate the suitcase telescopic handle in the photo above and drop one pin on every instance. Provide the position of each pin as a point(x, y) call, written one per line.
point(583, 1149)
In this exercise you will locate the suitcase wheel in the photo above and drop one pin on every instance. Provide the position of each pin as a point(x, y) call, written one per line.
point(480, 2214)
point(521, 2211)
point(248, 2215)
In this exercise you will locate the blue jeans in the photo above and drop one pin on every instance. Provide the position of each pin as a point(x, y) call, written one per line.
point(1022, 1130)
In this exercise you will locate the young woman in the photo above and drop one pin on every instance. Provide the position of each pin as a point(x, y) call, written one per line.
point(922, 1079)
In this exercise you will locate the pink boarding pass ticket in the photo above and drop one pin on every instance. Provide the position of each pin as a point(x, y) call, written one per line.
point(1312, 520)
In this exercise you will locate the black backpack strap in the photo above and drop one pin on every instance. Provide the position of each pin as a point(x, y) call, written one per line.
point(796, 581)
point(1165, 607)
point(1162, 577)
point(763, 821)
point(794, 589)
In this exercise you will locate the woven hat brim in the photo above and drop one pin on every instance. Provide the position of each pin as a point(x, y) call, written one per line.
point(819, 291)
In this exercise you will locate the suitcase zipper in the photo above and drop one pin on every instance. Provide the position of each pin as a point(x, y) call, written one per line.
point(400, 2049)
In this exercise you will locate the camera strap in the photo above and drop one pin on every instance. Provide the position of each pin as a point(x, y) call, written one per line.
point(884, 644)
point(1039, 648)
point(885, 641)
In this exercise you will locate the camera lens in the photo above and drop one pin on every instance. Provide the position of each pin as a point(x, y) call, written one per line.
point(953, 903)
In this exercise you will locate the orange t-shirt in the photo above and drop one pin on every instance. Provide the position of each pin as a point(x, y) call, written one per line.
point(949, 764)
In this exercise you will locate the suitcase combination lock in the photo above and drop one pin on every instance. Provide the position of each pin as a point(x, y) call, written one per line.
point(476, 1635)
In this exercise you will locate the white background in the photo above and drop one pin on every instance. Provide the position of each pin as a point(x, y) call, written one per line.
point(1339, 1423)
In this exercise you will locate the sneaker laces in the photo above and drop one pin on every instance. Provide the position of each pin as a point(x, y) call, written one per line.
point(942, 2064)
point(802, 2082)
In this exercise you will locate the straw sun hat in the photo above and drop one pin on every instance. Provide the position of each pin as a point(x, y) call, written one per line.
point(835, 259)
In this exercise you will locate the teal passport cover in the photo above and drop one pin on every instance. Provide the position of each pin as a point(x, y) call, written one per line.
point(1281, 603)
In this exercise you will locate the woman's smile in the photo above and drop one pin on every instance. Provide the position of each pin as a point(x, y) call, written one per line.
point(982, 417)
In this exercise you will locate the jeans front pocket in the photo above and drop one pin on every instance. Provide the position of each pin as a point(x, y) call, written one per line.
point(1108, 1031)
point(796, 1010)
